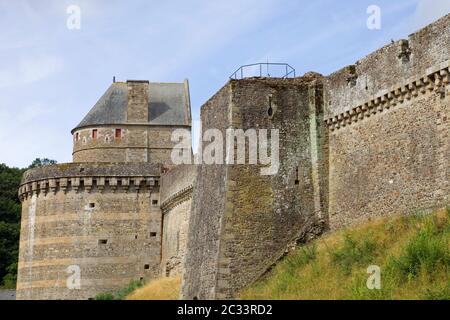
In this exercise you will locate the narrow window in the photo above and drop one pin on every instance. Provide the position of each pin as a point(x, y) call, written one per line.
point(102, 241)
point(296, 176)
point(154, 202)
point(152, 234)
point(77, 136)
point(270, 110)
point(118, 133)
point(94, 134)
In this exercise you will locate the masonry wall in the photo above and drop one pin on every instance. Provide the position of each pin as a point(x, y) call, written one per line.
point(199, 278)
point(176, 199)
point(258, 216)
point(106, 229)
point(388, 121)
point(138, 143)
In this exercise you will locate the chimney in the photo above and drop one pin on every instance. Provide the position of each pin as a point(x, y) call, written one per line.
point(137, 111)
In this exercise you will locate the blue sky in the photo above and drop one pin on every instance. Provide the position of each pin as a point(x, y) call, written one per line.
point(50, 76)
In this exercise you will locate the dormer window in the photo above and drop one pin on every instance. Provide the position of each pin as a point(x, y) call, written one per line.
point(118, 134)
point(94, 134)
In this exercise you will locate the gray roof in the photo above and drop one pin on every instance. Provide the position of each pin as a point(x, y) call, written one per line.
point(168, 105)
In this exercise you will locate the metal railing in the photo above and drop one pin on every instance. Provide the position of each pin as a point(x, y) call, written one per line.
point(264, 69)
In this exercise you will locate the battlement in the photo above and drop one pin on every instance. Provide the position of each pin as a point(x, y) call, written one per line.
point(88, 177)
point(435, 80)
point(390, 71)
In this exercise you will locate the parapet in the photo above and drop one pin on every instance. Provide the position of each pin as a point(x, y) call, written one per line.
point(433, 80)
point(88, 176)
point(390, 73)
point(176, 185)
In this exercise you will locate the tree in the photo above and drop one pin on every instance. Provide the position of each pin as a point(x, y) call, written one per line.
point(39, 162)
point(10, 209)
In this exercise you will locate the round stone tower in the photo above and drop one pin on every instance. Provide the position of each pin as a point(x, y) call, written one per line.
point(133, 122)
point(94, 225)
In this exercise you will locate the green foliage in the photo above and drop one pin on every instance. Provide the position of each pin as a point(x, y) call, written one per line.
point(301, 257)
point(104, 296)
point(10, 210)
point(133, 285)
point(426, 251)
point(121, 294)
point(353, 252)
point(39, 162)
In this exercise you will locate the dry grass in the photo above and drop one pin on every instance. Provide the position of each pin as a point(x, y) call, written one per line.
point(158, 289)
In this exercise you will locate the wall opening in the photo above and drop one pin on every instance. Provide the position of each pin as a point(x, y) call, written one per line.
point(296, 177)
point(91, 205)
point(146, 266)
point(154, 202)
point(94, 134)
point(102, 241)
point(152, 234)
point(270, 109)
point(118, 133)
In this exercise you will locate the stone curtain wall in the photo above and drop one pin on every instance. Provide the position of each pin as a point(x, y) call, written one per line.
point(69, 211)
point(388, 121)
point(176, 195)
point(257, 216)
point(369, 140)
point(209, 191)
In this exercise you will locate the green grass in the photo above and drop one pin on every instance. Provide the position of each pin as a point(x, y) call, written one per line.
point(121, 294)
point(413, 253)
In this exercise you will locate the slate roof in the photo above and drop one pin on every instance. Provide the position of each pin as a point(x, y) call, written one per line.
point(168, 105)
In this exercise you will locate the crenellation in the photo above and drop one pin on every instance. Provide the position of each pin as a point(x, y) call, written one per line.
point(395, 96)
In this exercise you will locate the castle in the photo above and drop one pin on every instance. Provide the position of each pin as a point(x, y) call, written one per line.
point(369, 140)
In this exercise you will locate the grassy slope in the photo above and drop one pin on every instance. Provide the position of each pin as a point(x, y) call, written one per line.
point(413, 253)
point(158, 289)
